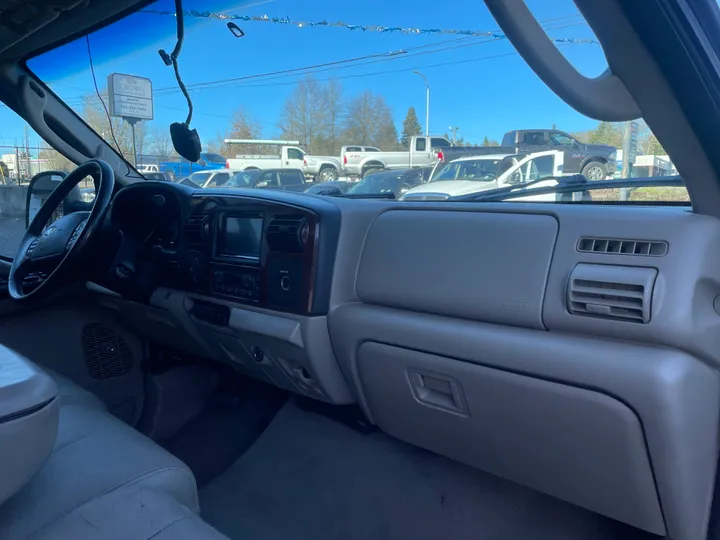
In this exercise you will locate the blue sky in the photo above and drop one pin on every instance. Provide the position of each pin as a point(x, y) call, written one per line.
point(483, 97)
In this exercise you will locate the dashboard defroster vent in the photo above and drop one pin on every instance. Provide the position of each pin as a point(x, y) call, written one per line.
point(620, 293)
point(622, 247)
point(288, 233)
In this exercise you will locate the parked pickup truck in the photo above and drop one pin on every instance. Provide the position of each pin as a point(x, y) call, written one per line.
point(423, 151)
point(322, 168)
point(594, 161)
point(183, 168)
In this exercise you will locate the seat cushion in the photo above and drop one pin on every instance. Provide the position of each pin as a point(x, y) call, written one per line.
point(94, 455)
point(72, 394)
point(130, 513)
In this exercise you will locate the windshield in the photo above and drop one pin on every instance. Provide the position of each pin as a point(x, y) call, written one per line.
point(481, 170)
point(383, 78)
point(200, 178)
point(385, 182)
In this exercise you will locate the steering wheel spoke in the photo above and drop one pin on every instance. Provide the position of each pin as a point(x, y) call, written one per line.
point(47, 253)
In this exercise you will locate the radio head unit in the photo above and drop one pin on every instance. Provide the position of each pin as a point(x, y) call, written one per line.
point(239, 236)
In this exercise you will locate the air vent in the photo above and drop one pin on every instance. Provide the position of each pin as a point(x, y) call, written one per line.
point(288, 233)
point(623, 247)
point(620, 293)
point(193, 229)
point(106, 352)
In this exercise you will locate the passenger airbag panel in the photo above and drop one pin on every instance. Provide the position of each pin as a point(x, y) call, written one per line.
point(411, 261)
point(575, 444)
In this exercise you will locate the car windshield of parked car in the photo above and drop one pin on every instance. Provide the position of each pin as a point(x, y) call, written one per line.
point(377, 184)
point(480, 170)
point(200, 178)
point(384, 79)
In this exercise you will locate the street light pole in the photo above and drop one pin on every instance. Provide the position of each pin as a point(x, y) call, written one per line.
point(427, 103)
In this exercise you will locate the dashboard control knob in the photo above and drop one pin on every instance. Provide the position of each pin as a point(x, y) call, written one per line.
point(285, 283)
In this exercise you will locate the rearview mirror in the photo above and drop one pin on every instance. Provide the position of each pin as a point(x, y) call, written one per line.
point(42, 185)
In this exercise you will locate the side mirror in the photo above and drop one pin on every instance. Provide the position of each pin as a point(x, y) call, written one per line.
point(44, 183)
point(263, 184)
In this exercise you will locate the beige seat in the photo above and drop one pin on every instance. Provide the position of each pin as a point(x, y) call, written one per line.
point(103, 479)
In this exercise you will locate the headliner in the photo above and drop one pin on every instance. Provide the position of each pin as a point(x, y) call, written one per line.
point(54, 23)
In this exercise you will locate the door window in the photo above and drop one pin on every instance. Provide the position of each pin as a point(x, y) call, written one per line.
point(535, 169)
point(420, 144)
point(295, 153)
point(220, 179)
point(291, 178)
point(270, 178)
point(534, 138)
point(560, 139)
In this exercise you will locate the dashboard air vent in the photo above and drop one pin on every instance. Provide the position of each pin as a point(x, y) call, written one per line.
point(622, 247)
point(193, 229)
point(288, 233)
point(620, 293)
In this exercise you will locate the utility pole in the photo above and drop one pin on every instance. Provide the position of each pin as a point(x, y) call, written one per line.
point(27, 152)
point(454, 133)
point(427, 103)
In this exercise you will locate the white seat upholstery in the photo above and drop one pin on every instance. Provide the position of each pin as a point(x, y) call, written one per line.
point(99, 463)
point(72, 394)
point(130, 513)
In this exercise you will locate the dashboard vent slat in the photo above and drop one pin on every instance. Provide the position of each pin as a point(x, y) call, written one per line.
point(288, 233)
point(193, 230)
point(620, 293)
point(648, 248)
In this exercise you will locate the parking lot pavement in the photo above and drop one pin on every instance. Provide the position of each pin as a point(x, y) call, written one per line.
point(11, 232)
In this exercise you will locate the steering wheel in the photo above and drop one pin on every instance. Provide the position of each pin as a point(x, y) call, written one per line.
point(54, 251)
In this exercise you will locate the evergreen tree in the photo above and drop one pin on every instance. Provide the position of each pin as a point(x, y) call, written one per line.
point(410, 127)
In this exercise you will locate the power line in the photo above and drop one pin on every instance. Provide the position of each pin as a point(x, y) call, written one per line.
point(232, 82)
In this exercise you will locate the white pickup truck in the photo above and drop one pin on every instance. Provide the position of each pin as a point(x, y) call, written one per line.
point(423, 151)
point(321, 168)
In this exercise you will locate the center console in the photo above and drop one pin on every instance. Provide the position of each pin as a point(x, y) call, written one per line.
point(255, 252)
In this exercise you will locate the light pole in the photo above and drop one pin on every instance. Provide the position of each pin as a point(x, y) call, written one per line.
point(427, 103)
point(454, 133)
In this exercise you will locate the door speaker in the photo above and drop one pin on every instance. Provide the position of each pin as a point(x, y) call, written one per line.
point(106, 353)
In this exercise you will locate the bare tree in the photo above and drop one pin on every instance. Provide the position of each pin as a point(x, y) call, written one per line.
point(243, 125)
point(369, 122)
point(332, 114)
point(160, 143)
point(302, 116)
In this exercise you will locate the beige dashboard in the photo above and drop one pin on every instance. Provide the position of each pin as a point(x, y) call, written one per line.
point(573, 349)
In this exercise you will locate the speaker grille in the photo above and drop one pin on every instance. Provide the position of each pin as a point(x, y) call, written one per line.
point(106, 353)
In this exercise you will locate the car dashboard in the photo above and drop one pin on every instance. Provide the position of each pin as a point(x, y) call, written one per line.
point(570, 348)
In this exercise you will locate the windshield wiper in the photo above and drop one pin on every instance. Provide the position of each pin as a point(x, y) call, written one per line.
point(568, 184)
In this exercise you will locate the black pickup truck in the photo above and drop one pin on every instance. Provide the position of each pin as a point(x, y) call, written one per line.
point(594, 161)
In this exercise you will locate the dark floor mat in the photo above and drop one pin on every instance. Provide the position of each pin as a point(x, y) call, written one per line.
point(310, 477)
point(234, 417)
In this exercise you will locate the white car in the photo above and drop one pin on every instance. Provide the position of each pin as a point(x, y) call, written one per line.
point(474, 174)
point(146, 167)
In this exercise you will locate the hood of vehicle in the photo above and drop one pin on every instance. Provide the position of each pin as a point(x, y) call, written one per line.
point(452, 187)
